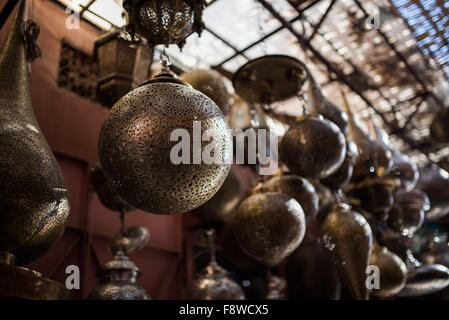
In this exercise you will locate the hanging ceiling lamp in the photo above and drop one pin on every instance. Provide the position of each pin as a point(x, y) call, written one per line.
point(118, 276)
point(320, 105)
point(33, 193)
point(297, 188)
point(213, 85)
point(165, 21)
point(347, 238)
point(123, 62)
point(135, 148)
point(313, 148)
point(435, 183)
point(213, 283)
point(375, 159)
point(269, 226)
point(392, 269)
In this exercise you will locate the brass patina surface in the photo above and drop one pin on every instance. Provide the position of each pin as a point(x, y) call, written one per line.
point(223, 202)
point(313, 148)
point(347, 238)
point(131, 240)
point(22, 283)
point(392, 270)
point(269, 79)
point(164, 21)
point(118, 281)
point(213, 283)
point(298, 188)
point(425, 279)
point(33, 196)
point(320, 105)
point(135, 147)
point(269, 226)
point(343, 175)
point(213, 85)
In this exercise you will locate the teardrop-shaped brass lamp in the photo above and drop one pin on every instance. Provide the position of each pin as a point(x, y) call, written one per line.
point(33, 195)
point(347, 238)
point(403, 168)
point(213, 85)
point(320, 105)
point(269, 226)
point(152, 145)
point(313, 148)
point(392, 271)
point(374, 159)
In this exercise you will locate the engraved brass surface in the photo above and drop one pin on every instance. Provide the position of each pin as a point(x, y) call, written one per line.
point(269, 79)
point(135, 147)
point(313, 148)
point(33, 196)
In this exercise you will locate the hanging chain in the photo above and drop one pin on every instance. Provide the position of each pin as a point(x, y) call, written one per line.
point(165, 60)
point(211, 238)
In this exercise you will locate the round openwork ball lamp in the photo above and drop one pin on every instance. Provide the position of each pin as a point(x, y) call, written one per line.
point(139, 146)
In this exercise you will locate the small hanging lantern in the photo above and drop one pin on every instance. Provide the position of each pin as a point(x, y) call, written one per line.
point(213, 283)
point(123, 62)
point(165, 21)
point(118, 276)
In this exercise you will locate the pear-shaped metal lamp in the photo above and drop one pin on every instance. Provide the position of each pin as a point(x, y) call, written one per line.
point(374, 159)
point(33, 195)
point(320, 105)
point(347, 238)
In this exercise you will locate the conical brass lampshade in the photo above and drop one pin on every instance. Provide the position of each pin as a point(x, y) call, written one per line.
point(33, 196)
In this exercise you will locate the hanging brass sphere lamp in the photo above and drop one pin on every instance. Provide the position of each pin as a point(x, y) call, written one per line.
point(146, 149)
point(165, 21)
point(297, 188)
point(313, 148)
point(269, 226)
point(213, 85)
point(213, 283)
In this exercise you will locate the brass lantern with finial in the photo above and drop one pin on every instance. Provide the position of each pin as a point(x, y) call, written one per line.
point(118, 277)
point(213, 283)
point(165, 21)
